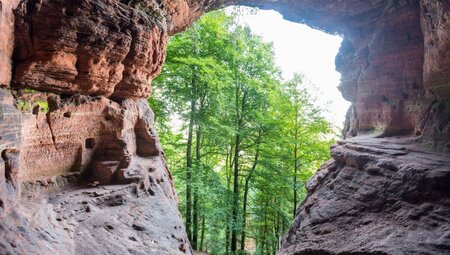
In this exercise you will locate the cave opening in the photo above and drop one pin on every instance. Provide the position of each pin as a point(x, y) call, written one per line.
point(297, 68)
point(383, 191)
point(299, 48)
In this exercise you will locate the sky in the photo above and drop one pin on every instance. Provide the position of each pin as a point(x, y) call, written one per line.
point(299, 48)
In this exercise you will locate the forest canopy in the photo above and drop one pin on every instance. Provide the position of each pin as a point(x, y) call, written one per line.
point(240, 141)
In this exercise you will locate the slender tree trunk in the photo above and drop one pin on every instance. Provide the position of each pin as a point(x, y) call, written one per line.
point(279, 232)
point(202, 236)
point(228, 167)
point(244, 215)
point(264, 246)
point(295, 163)
point(189, 172)
point(246, 187)
point(196, 206)
point(195, 220)
point(235, 213)
point(234, 230)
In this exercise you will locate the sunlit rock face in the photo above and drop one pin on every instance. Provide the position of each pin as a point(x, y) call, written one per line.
point(84, 173)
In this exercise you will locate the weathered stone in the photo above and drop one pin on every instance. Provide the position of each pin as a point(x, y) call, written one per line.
point(87, 47)
point(435, 23)
point(6, 40)
point(96, 220)
point(99, 140)
point(10, 136)
point(377, 196)
point(104, 171)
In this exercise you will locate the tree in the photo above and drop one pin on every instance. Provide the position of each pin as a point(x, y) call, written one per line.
point(239, 141)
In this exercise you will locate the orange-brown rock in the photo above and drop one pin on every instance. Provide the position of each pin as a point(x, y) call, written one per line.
point(92, 173)
point(435, 26)
point(87, 47)
point(435, 122)
point(6, 40)
point(380, 60)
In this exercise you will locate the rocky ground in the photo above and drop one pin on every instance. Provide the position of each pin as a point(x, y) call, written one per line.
point(377, 196)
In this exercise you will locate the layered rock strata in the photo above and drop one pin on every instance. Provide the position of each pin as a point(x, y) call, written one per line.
point(10, 143)
point(93, 179)
point(377, 196)
point(82, 168)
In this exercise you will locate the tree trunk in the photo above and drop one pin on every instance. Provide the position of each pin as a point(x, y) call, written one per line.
point(195, 220)
point(264, 240)
point(235, 212)
point(189, 172)
point(234, 230)
point(202, 236)
point(295, 163)
point(195, 206)
point(246, 187)
point(228, 167)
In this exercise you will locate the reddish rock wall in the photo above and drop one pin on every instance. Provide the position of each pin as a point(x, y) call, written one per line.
point(435, 26)
point(82, 170)
point(87, 47)
point(6, 39)
point(377, 196)
point(386, 191)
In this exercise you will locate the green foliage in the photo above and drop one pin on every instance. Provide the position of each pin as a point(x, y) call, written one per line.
point(23, 105)
point(43, 105)
point(220, 100)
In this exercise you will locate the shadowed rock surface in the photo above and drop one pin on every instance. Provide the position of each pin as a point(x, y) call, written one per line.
point(83, 171)
point(377, 196)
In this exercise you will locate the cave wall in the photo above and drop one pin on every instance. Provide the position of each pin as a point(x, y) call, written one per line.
point(83, 171)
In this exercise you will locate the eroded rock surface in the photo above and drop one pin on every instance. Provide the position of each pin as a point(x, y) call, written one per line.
point(377, 196)
point(10, 136)
point(82, 170)
point(114, 219)
point(93, 179)
point(6, 40)
point(387, 190)
point(88, 47)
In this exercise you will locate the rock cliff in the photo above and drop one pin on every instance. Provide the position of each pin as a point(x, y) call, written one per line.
point(83, 170)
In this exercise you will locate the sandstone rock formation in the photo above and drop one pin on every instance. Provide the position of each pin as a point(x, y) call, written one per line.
point(83, 171)
point(82, 168)
point(377, 196)
point(94, 48)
